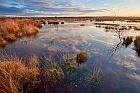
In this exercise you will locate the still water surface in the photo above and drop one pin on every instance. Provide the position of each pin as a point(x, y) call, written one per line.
point(120, 65)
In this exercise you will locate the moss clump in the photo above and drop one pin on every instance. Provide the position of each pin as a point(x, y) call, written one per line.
point(81, 57)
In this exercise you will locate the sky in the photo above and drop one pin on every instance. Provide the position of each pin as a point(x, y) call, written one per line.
point(70, 7)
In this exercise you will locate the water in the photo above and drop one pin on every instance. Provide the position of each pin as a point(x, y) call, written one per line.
point(120, 65)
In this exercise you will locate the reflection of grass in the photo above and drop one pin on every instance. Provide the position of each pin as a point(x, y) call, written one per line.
point(137, 45)
point(96, 74)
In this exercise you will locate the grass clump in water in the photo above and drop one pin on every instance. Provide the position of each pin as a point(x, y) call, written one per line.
point(137, 45)
point(127, 41)
point(20, 76)
point(81, 57)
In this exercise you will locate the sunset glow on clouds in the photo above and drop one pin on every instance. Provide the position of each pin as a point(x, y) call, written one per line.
point(70, 7)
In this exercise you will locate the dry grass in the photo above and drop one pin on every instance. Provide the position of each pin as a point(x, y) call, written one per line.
point(2, 41)
point(29, 29)
point(14, 75)
point(96, 74)
point(11, 28)
point(19, 76)
point(6, 83)
point(9, 37)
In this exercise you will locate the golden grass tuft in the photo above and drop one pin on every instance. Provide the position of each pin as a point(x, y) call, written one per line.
point(14, 75)
point(9, 37)
point(29, 29)
point(11, 28)
point(6, 83)
point(2, 42)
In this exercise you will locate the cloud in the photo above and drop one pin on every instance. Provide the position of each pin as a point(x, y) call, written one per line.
point(128, 65)
point(134, 76)
point(8, 10)
point(44, 7)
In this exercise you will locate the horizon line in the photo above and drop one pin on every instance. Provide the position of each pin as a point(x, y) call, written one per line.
point(64, 16)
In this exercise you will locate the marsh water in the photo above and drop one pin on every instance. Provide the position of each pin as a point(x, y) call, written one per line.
point(119, 62)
